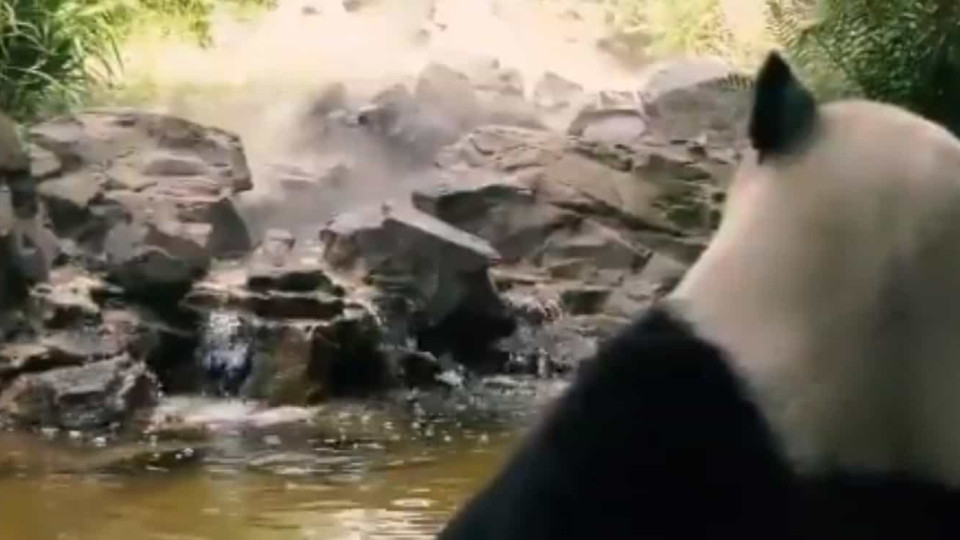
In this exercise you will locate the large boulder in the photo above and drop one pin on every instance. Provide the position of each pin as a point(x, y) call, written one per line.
point(394, 240)
point(650, 191)
point(159, 261)
point(494, 207)
point(553, 92)
point(597, 228)
point(77, 318)
point(612, 117)
point(430, 279)
point(298, 362)
point(303, 193)
point(92, 396)
point(450, 93)
point(489, 75)
point(119, 166)
point(408, 126)
point(697, 98)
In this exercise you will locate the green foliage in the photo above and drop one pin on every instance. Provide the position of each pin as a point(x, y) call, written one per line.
point(50, 49)
point(905, 52)
point(664, 28)
point(53, 52)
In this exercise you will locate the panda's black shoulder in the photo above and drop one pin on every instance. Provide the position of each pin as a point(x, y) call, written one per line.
point(657, 422)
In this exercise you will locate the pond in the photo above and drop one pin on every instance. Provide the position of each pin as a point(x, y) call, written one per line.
point(388, 469)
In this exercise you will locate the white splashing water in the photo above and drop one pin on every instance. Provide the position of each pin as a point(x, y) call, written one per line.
point(225, 347)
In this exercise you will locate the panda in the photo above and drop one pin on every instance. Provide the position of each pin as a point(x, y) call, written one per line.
point(803, 378)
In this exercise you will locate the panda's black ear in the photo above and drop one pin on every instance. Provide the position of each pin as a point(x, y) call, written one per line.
point(784, 110)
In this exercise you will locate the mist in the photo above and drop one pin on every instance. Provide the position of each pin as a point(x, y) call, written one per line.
point(271, 78)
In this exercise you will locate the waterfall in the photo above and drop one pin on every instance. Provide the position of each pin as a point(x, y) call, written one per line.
point(225, 351)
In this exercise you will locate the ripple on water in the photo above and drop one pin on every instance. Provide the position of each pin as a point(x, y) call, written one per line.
point(336, 472)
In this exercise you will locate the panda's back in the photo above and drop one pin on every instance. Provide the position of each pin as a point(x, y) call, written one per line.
point(834, 283)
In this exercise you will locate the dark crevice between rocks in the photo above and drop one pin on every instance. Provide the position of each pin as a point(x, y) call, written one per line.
point(469, 336)
point(469, 332)
point(357, 366)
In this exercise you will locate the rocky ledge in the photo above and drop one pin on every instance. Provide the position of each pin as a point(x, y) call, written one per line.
point(136, 262)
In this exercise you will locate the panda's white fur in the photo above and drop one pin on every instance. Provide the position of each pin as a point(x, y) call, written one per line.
point(834, 284)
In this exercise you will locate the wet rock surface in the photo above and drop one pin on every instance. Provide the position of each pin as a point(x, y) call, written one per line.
point(135, 259)
point(91, 396)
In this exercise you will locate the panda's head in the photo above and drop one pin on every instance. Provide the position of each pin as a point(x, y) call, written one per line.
point(833, 281)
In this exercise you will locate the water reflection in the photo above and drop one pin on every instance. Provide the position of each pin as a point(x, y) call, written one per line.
point(353, 471)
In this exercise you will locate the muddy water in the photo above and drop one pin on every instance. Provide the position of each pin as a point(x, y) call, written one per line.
point(345, 471)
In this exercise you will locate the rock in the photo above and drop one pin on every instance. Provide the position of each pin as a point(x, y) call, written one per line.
point(283, 265)
point(13, 159)
point(698, 97)
point(229, 236)
point(448, 92)
point(304, 362)
point(311, 305)
point(69, 199)
point(431, 278)
point(78, 319)
point(658, 195)
point(408, 125)
point(93, 396)
point(186, 242)
point(355, 5)
point(44, 164)
point(27, 252)
point(509, 110)
point(350, 350)
point(23, 195)
point(307, 191)
point(418, 369)
point(7, 215)
point(154, 273)
point(611, 125)
point(20, 358)
point(286, 368)
point(62, 349)
point(165, 340)
point(118, 166)
point(492, 207)
point(561, 174)
point(584, 300)
point(332, 97)
point(288, 279)
point(398, 239)
point(294, 289)
point(590, 242)
point(664, 272)
point(162, 146)
point(529, 304)
point(606, 228)
point(27, 248)
point(553, 92)
point(157, 260)
point(277, 245)
point(490, 76)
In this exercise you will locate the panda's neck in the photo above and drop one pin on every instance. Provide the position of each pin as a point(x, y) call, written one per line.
point(803, 335)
